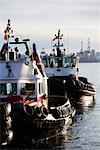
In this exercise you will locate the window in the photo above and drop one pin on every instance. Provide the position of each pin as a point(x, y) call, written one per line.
point(8, 88)
point(51, 62)
point(27, 88)
point(3, 89)
point(45, 61)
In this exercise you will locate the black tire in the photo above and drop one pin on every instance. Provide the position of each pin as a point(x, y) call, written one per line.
point(64, 112)
point(56, 113)
point(6, 123)
point(83, 79)
point(86, 86)
point(71, 82)
point(38, 111)
point(5, 109)
point(28, 110)
point(81, 85)
point(6, 136)
point(60, 113)
point(44, 111)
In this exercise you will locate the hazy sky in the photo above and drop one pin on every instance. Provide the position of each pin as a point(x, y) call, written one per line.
point(39, 20)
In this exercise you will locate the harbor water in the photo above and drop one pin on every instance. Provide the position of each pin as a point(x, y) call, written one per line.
point(84, 133)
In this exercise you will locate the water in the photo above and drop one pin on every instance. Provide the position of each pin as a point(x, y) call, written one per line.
point(84, 134)
point(85, 131)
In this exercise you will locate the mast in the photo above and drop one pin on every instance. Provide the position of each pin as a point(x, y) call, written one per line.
point(58, 37)
point(7, 32)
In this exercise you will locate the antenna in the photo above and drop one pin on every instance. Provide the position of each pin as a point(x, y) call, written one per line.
point(67, 44)
point(88, 46)
point(81, 46)
point(58, 37)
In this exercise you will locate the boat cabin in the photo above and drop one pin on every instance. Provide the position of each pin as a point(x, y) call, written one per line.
point(20, 73)
point(60, 66)
point(58, 63)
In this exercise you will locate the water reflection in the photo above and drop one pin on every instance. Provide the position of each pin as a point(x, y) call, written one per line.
point(53, 142)
point(83, 131)
point(81, 109)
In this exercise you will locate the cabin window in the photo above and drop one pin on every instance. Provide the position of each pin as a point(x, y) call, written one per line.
point(73, 61)
point(27, 88)
point(56, 61)
point(8, 88)
point(60, 62)
point(3, 89)
point(66, 62)
point(51, 62)
point(45, 61)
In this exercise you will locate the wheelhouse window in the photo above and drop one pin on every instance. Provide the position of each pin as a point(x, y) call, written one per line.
point(67, 62)
point(45, 61)
point(51, 62)
point(27, 88)
point(74, 61)
point(56, 61)
point(8, 88)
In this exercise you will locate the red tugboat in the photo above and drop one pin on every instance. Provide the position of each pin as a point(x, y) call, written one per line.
point(25, 109)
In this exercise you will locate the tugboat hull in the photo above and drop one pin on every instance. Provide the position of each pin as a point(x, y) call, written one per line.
point(74, 89)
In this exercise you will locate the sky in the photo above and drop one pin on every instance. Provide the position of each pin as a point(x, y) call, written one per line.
point(40, 20)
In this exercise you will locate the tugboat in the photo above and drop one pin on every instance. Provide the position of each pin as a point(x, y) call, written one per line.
point(62, 71)
point(25, 107)
point(59, 66)
point(84, 91)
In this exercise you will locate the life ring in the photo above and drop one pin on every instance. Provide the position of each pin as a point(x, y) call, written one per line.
point(38, 111)
point(44, 111)
point(28, 110)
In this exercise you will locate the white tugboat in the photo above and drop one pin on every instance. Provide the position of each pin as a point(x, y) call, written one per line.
point(24, 93)
point(59, 67)
point(58, 63)
point(62, 71)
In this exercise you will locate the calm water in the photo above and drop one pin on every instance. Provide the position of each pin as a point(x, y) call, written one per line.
point(84, 134)
point(85, 131)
